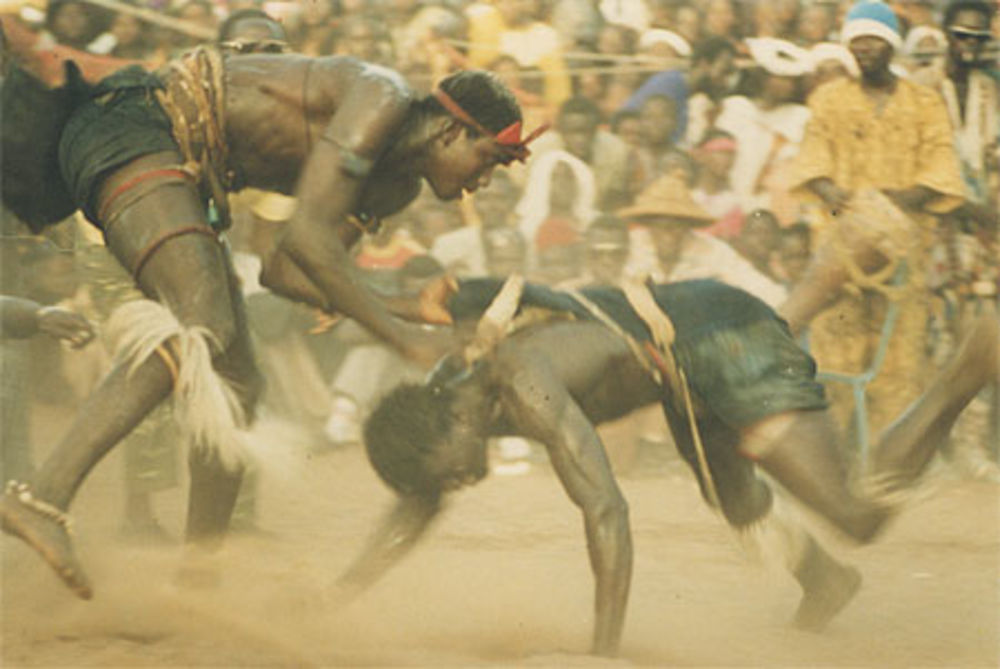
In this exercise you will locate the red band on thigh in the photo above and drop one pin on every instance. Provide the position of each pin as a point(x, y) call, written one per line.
point(164, 174)
point(155, 245)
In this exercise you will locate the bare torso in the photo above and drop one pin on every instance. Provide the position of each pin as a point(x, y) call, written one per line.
point(278, 107)
point(599, 370)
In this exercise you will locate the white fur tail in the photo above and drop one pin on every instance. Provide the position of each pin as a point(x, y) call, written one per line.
point(205, 405)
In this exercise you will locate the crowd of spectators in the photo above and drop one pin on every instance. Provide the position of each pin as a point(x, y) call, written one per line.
point(693, 112)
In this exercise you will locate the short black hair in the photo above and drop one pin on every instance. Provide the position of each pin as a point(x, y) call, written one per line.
point(482, 95)
point(403, 430)
point(710, 48)
point(952, 10)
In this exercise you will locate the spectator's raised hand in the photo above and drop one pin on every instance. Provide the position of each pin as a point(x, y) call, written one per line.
point(66, 325)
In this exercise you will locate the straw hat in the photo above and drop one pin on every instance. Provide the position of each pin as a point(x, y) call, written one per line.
point(668, 197)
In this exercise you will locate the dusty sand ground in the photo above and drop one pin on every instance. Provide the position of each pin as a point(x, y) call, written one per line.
point(502, 581)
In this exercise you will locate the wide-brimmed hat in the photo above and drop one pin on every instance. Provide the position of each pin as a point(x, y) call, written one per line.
point(668, 197)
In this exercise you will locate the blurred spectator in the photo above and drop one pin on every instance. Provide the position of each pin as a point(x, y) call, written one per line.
point(815, 23)
point(918, 13)
point(712, 190)
point(22, 318)
point(828, 62)
point(668, 243)
point(505, 252)
point(510, 27)
point(362, 37)
point(420, 35)
point(661, 13)
point(767, 122)
point(462, 251)
point(758, 241)
point(495, 205)
point(777, 18)
point(794, 252)
point(626, 125)
point(657, 125)
point(560, 186)
point(925, 51)
point(695, 92)
point(606, 251)
point(558, 253)
point(71, 23)
point(576, 21)
point(127, 37)
point(878, 132)
point(721, 19)
point(611, 80)
point(198, 12)
point(253, 26)
point(972, 96)
point(577, 132)
point(313, 26)
point(687, 22)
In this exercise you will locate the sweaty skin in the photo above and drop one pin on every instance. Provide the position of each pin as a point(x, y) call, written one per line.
point(556, 399)
point(346, 139)
point(535, 386)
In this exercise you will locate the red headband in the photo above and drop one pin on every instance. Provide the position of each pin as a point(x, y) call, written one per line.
point(718, 144)
point(509, 139)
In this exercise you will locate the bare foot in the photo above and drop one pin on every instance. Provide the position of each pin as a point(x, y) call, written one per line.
point(49, 538)
point(827, 597)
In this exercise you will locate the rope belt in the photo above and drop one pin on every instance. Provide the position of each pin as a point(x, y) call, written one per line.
point(155, 245)
point(664, 368)
point(194, 100)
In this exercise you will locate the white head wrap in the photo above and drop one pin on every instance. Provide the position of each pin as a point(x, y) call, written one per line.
point(668, 37)
point(779, 56)
point(825, 51)
point(533, 208)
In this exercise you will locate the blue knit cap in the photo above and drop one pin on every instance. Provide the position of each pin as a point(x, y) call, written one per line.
point(871, 17)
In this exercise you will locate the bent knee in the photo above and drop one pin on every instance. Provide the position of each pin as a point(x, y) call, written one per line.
point(611, 510)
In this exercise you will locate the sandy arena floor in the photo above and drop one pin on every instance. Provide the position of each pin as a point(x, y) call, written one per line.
point(502, 581)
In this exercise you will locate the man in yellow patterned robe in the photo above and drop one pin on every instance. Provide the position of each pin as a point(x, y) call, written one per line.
point(875, 133)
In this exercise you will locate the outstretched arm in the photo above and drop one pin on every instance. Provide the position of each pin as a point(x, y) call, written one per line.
point(20, 318)
point(538, 404)
point(396, 535)
point(310, 261)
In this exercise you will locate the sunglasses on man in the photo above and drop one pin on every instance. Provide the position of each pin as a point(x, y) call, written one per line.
point(970, 34)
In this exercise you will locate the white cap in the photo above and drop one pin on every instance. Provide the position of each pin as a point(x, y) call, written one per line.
point(668, 37)
point(779, 56)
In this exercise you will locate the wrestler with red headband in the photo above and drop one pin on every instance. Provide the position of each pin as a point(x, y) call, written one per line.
point(509, 139)
point(150, 157)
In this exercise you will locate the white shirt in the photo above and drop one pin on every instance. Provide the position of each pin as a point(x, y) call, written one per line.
point(703, 257)
point(758, 133)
